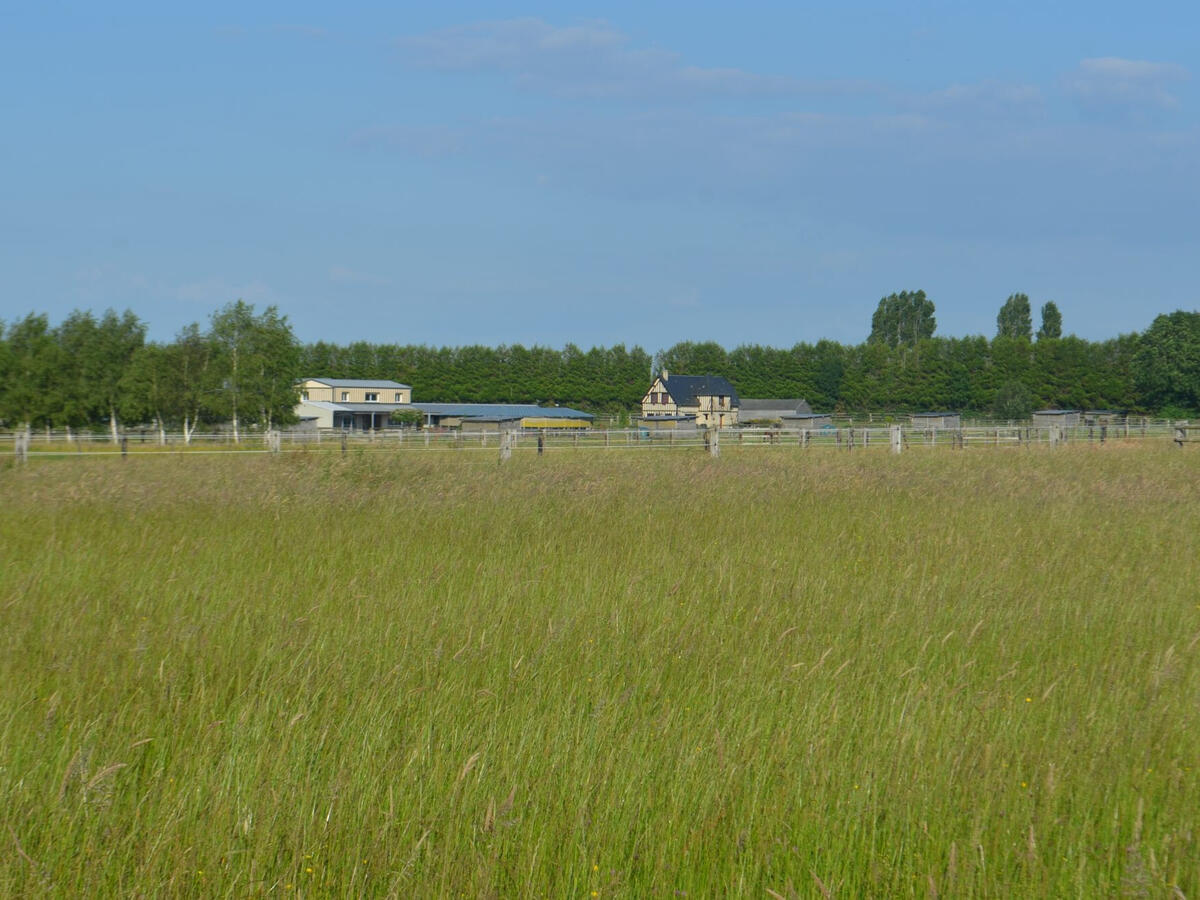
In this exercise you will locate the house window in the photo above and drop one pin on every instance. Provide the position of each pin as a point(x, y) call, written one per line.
point(304, 395)
point(398, 400)
point(345, 395)
point(372, 397)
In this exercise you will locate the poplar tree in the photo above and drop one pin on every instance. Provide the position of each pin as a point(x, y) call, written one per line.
point(1051, 322)
point(1015, 319)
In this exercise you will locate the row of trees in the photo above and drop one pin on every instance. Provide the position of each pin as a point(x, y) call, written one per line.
point(908, 317)
point(244, 367)
point(241, 369)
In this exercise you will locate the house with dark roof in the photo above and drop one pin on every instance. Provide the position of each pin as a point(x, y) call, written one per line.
point(705, 401)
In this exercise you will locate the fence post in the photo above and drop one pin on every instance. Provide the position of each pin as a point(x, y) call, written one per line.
point(712, 438)
point(274, 439)
point(505, 445)
point(21, 446)
point(541, 442)
point(343, 443)
point(124, 446)
point(896, 445)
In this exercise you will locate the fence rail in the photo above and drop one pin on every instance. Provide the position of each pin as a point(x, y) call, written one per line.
point(896, 438)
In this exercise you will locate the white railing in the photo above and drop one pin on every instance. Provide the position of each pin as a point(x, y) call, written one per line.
point(849, 437)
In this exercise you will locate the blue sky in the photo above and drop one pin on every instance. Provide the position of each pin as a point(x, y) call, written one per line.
point(553, 173)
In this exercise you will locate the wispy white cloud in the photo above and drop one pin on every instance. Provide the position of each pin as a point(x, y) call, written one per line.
point(591, 59)
point(1112, 81)
point(989, 96)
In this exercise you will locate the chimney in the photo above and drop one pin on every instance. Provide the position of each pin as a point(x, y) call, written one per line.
point(664, 375)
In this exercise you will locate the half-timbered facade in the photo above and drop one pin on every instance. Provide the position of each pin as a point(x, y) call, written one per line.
point(710, 401)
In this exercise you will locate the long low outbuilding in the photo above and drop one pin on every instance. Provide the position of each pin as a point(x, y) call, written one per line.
point(528, 415)
point(468, 416)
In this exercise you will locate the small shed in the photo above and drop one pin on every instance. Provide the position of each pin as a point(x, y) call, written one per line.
point(808, 421)
point(927, 421)
point(1064, 417)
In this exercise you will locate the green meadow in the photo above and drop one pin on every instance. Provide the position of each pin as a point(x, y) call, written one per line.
point(780, 673)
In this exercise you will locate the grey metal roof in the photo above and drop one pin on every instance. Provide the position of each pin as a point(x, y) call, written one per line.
point(356, 407)
point(1053, 412)
point(933, 415)
point(505, 410)
point(809, 415)
point(686, 390)
point(359, 383)
point(788, 405)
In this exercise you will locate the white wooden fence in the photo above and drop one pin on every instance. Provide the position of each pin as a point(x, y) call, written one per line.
point(845, 437)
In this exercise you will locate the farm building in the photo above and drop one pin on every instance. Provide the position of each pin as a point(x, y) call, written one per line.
point(367, 405)
point(1065, 417)
point(489, 416)
point(355, 404)
point(808, 421)
point(368, 416)
point(939, 420)
point(709, 400)
point(770, 412)
point(354, 390)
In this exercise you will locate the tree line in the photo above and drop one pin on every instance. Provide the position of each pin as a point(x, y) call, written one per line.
point(242, 369)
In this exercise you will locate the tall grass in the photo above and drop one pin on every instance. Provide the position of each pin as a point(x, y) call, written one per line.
point(775, 673)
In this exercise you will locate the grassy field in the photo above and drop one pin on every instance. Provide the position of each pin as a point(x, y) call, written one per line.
point(774, 674)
